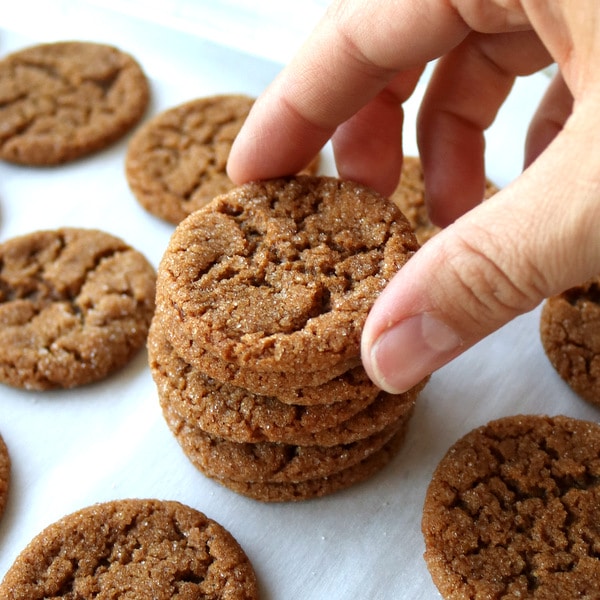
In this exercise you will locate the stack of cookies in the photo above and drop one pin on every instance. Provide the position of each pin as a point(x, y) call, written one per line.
point(255, 344)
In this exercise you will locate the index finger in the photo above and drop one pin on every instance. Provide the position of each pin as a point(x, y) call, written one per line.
point(356, 50)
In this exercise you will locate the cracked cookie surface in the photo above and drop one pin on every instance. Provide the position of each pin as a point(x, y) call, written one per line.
point(570, 334)
point(75, 305)
point(134, 549)
point(512, 511)
point(280, 275)
point(176, 163)
point(63, 100)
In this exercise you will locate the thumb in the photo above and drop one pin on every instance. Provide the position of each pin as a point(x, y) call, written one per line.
point(533, 239)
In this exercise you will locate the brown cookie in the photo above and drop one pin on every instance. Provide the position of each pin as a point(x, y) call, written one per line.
point(280, 275)
point(75, 305)
point(303, 387)
point(267, 461)
point(64, 100)
point(268, 491)
point(409, 196)
point(512, 511)
point(177, 161)
point(570, 334)
point(4, 475)
point(238, 417)
point(234, 412)
point(142, 549)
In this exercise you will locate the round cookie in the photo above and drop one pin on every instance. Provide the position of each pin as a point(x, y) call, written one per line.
point(142, 549)
point(268, 461)
point(512, 511)
point(302, 386)
point(233, 412)
point(63, 100)
point(75, 305)
point(177, 161)
point(269, 491)
point(280, 275)
point(409, 196)
point(4, 475)
point(570, 334)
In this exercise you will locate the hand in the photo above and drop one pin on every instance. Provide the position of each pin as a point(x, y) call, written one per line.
point(493, 260)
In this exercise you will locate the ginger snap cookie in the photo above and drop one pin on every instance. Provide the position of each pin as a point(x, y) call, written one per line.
point(61, 101)
point(219, 458)
point(512, 511)
point(75, 305)
point(290, 491)
point(280, 275)
point(176, 163)
point(4, 475)
point(570, 334)
point(409, 196)
point(135, 548)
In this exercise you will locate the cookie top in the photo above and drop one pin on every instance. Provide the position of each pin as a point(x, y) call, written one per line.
point(176, 161)
point(570, 334)
point(75, 305)
point(409, 196)
point(142, 549)
point(512, 511)
point(4, 475)
point(63, 100)
point(280, 275)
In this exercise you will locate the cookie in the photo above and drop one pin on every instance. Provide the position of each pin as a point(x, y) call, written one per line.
point(4, 475)
point(280, 275)
point(142, 549)
point(236, 417)
point(512, 511)
point(75, 305)
point(296, 387)
point(268, 491)
point(267, 461)
point(61, 101)
point(234, 412)
point(409, 196)
point(176, 163)
point(570, 335)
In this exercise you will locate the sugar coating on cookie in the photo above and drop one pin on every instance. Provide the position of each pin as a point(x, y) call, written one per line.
point(512, 511)
point(143, 549)
point(75, 305)
point(280, 275)
point(60, 101)
point(570, 334)
point(4, 475)
point(176, 162)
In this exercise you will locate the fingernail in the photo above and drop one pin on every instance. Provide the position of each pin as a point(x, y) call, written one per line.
point(410, 350)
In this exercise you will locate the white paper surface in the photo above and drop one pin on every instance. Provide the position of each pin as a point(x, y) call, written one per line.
point(72, 448)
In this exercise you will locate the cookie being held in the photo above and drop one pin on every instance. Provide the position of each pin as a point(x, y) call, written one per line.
point(75, 305)
point(64, 100)
point(134, 548)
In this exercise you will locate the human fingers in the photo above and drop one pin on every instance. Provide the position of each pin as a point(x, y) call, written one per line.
point(535, 238)
point(549, 119)
point(351, 56)
point(465, 92)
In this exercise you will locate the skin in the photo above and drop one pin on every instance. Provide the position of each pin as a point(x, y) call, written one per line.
point(493, 260)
